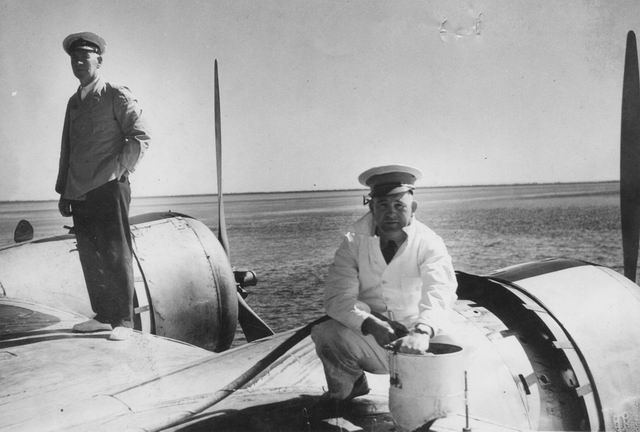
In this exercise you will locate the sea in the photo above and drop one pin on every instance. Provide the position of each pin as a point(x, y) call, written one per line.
point(288, 239)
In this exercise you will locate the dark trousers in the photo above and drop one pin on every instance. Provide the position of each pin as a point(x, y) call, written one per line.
point(101, 225)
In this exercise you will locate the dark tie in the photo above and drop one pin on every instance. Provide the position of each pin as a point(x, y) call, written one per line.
point(389, 251)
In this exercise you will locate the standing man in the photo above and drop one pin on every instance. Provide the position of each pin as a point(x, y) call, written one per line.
point(103, 139)
point(391, 285)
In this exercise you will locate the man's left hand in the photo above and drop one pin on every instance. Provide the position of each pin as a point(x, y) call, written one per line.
point(64, 207)
point(413, 343)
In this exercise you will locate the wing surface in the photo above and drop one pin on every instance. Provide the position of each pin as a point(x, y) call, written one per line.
point(53, 379)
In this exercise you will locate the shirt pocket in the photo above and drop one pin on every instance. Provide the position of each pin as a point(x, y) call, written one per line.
point(103, 121)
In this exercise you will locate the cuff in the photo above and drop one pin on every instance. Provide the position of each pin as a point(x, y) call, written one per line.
point(424, 329)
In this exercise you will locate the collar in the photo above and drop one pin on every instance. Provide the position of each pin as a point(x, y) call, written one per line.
point(365, 226)
point(93, 87)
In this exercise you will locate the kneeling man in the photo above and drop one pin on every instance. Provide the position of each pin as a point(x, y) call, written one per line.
point(390, 286)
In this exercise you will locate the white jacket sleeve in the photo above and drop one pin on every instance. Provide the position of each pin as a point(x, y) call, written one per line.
point(439, 286)
point(342, 287)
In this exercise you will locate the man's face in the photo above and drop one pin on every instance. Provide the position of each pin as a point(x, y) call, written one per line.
point(85, 65)
point(392, 213)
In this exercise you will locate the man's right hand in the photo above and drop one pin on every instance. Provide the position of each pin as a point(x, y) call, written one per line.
point(64, 206)
point(381, 330)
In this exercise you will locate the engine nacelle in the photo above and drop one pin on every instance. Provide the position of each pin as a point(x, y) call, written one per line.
point(184, 285)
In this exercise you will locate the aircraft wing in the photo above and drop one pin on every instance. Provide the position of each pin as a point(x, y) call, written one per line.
point(53, 379)
point(522, 372)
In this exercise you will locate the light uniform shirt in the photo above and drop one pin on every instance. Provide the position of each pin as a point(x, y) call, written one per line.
point(417, 287)
point(104, 136)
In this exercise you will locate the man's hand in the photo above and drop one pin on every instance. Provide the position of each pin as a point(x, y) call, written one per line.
point(413, 343)
point(122, 170)
point(64, 206)
point(381, 330)
point(399, 329)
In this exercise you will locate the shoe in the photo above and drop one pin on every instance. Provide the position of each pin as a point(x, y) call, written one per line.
point(360, 388)
point(121, 334)
point(122, 323)
point(91, 326)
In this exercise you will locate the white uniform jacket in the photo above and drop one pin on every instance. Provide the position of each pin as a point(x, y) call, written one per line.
point(417, 286)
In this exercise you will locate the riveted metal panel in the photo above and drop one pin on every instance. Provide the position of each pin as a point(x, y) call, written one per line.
point(599, 309)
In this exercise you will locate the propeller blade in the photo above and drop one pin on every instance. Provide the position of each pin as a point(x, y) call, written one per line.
point(252, 325)
point(630, 159)
point(222, 226)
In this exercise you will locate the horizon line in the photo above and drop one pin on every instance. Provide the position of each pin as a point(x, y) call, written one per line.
point(337, 190)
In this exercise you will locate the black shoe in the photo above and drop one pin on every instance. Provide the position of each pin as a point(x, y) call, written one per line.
point(360, 388)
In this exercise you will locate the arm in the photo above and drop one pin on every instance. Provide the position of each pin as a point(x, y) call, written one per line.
point(63, 166)
point(135, 131)
point(64, 205)
point(343, 286)
point(439, 286)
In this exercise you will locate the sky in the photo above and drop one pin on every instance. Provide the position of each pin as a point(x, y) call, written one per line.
point(315, 92)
